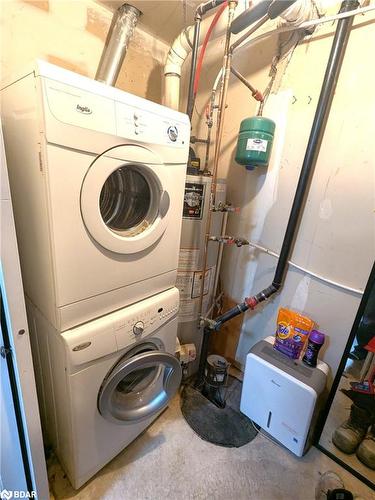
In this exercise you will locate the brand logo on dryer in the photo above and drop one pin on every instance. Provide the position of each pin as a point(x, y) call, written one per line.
point(79, 347)
point(83, 109)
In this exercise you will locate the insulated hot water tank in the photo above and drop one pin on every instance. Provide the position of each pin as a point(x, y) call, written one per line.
point(190, 266)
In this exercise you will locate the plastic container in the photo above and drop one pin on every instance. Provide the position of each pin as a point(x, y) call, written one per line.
point(216, 371)
point(255, 141)
point(314, 343)
point(292, 332)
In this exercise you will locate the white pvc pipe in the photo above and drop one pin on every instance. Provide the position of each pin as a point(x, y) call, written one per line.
point(172, 90)
point(181, 48)
point(300, 11)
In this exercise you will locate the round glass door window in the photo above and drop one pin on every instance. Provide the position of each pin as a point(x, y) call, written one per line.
point(125, 206)
point(140, 385)
point(137, 381)
point(129, 201)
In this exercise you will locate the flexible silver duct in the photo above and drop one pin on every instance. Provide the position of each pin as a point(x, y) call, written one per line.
point(116, 44)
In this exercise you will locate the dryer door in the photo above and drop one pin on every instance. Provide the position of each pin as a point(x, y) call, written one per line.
point(124, 204)
point(140, 385)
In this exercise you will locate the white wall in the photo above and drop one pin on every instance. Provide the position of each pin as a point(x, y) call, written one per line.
point(71, 34)
point(337, 234)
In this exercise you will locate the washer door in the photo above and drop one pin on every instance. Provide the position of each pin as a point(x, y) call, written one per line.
point(124, 204)
point(140, 385)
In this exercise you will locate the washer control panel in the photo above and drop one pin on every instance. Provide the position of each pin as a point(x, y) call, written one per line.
point(120, 329)
point(138, 328)
point(142, 319)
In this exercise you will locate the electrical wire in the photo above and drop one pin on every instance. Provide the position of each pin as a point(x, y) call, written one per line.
point(263, 434)
point(266, 93)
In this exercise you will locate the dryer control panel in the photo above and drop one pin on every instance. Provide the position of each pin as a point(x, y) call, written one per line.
point(120, 329)
point(88, 115)
point(148, 126)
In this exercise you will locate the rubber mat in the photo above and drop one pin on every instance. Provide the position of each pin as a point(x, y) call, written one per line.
point(221, 426)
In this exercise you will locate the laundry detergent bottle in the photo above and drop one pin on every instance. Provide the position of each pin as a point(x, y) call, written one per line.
point(314, 343)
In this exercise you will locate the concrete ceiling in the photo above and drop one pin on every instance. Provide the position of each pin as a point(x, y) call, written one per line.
point(163, 19)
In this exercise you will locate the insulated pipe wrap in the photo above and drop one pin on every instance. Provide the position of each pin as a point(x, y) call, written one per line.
point(278, 7)
point(250, 16)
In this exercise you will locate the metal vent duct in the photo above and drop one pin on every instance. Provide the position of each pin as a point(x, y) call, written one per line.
point(120, 32)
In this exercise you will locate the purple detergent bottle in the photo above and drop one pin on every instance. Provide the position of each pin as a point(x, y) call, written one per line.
point(315, 342)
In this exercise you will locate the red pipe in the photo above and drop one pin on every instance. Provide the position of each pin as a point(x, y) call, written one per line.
point(204, 45)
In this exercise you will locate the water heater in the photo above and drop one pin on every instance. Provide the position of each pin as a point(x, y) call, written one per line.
point(190, 267)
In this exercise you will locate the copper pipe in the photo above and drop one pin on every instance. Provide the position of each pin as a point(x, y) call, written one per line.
point(219, 133)
point(258, 96)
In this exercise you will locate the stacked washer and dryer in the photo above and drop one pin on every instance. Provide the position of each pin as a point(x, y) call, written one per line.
point(97, 178)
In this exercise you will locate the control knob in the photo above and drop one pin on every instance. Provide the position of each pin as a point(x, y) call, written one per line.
point(138, 328)
point(172, 133)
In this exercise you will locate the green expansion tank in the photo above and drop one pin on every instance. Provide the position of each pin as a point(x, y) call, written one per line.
point(255, 140)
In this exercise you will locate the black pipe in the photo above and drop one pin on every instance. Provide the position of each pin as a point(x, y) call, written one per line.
point(249, 16)
point(203, 8)
point(203, 356)
point(317, 131)
point(278, 7)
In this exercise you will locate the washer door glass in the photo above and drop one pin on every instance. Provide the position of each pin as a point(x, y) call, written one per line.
point(140, 385)
point(124, 205)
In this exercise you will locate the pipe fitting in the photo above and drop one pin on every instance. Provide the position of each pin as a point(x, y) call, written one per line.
point(225, 207)
point(251, 302)
point(229, 240)
point(258, 96)
point(180, 50)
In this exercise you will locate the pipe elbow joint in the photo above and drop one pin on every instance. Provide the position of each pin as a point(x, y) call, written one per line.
point(178, 53)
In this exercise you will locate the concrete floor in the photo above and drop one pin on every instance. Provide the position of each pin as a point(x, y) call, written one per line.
point(169, 461)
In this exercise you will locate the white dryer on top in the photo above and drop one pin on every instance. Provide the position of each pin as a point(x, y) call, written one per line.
point(97, 177)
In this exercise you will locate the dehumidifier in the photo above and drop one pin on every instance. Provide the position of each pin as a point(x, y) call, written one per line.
point(280, 394)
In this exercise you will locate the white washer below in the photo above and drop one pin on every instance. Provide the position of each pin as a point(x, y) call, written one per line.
point(105, 381)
